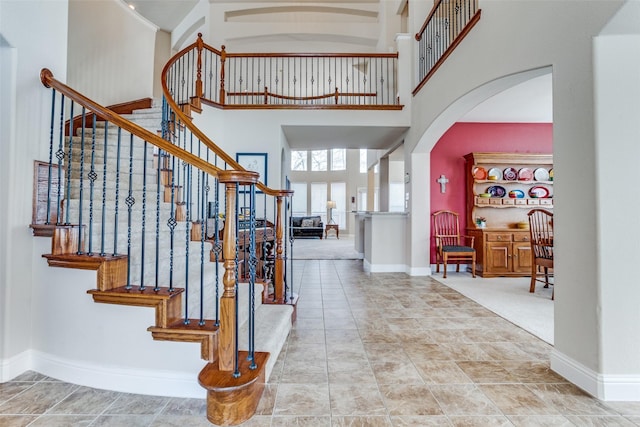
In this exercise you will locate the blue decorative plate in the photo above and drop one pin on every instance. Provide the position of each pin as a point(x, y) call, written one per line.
point(516, 194)
point(496, 191)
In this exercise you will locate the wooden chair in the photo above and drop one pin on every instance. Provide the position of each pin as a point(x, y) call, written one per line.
point(541, 231)
point(446, 231)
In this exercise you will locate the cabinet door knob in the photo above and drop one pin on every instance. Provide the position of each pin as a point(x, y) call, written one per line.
point(499, 237)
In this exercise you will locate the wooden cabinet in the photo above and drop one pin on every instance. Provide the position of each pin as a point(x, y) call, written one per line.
point(503, 249)
point(502, 252)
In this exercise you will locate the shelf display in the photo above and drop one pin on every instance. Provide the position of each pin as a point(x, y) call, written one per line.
point(519, 183)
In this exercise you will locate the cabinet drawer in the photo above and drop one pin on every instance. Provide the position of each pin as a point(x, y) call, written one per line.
point(521, 201)
point(546, 202)
point(508, 201)
point(521, 237)
point(499, 237)
point(495, 201)
point(533, 201)
point(482, 200)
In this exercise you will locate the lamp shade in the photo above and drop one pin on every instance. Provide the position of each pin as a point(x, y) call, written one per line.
point(331, 204)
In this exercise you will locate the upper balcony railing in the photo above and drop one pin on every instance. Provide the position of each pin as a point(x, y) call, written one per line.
point(284, 80)
point(445, 27)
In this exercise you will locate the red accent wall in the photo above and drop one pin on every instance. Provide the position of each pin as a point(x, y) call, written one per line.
point(464, 138)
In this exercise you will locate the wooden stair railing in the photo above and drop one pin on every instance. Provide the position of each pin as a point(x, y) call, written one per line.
point(234, 385)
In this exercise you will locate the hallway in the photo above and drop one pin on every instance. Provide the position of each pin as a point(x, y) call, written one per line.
point(366, 350)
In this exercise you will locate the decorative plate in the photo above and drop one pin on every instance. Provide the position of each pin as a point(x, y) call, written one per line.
point(510, 174)
point(479, 173)
point(538, 192)
point(525, 174)
point(541, 174)
point(496, 191)
point(495, 172)
point(516, 194)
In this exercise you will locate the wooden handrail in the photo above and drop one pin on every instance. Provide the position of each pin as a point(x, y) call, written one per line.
point(435, 7)
point(47, 79)
point(186, 120)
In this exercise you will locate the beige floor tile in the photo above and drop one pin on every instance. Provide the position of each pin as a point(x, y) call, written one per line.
point(463, 400)
point(487, 372)
point(356, 399)
point(302, 399)
point(409, 399)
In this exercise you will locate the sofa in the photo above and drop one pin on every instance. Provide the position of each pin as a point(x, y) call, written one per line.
point(306, 226)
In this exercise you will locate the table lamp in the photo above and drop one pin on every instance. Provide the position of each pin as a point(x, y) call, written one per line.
point(331, 205)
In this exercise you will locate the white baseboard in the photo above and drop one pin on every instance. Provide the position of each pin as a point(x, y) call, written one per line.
point(122, 379)
point(624, 388)
point(419, 271)
point(14, 366)
point(383, 268)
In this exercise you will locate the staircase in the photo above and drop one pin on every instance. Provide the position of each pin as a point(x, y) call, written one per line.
point(138, 201)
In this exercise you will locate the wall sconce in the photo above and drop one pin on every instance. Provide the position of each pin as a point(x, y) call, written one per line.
point(331, 205)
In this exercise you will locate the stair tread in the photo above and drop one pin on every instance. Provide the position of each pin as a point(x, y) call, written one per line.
point(148, 292)
point(193, 327)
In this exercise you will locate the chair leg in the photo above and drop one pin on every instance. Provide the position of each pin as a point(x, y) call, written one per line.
point(444, 266)
point(546, 277)
point(534, 270)
point(473, 265)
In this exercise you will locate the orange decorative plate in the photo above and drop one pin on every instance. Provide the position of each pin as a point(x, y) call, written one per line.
point(479, 173)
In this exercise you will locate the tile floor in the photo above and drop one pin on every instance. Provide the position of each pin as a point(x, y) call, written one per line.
point(367, 350)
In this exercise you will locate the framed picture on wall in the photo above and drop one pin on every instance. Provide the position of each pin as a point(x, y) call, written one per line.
point(255, 162)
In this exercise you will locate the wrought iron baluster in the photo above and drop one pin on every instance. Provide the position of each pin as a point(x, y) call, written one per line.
point(217, 247)
point(104, 190)
point(49, 180)
point(130, 201)
point(92, 181)
point(69, 159)
point(172, 222)
point(236, 371)
point(187, 229)
point(253, 261)
point(81, 189)
point(144, 215)
point(117, 201)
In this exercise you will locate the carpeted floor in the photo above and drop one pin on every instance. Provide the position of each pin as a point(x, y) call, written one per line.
point(330, 248)
point(509, 298)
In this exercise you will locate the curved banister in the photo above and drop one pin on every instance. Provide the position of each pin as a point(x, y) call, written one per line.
point(194, 129)
point(47, 79)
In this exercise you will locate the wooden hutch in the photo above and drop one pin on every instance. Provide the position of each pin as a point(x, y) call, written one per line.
point(502, 188)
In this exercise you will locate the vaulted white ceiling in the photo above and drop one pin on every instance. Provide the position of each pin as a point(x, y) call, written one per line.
point(529, 102)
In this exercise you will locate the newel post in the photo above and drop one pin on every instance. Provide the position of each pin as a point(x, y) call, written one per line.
point(223, 59)
point(199, 47)
point(227, 344)
point(278, 284)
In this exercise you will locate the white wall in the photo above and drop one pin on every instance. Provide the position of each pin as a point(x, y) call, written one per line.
point(617, 148)
point(118, 65)
point(31, 41)
point(508, 40)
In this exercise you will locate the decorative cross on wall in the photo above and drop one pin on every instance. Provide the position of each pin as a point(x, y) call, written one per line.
point(443, 183)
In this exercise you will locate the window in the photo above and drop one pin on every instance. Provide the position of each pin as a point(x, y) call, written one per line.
point(338, 159)
point(363, 160)
point(298, 160)
point(319, 160)
point(299, 200)
point(319, 199)
point(339, 195)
